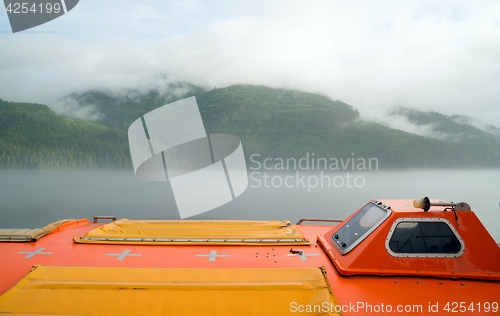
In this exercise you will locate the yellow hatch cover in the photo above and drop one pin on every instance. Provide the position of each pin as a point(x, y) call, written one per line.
point(149, 291)
point(126, 231)
point(29, 235)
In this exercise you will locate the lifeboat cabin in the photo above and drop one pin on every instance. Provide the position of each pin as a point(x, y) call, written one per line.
point(416, 257)
point(423, 238)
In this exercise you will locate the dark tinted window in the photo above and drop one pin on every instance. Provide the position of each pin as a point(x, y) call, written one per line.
point(358, 225)
point(424, 237)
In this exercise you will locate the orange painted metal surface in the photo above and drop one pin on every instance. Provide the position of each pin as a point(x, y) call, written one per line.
point(363, 287)
point(480, 260)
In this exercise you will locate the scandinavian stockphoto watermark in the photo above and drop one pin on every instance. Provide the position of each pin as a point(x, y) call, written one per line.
point(366, 308)
point(357, 307)
point(310, 172)
point(204, 171)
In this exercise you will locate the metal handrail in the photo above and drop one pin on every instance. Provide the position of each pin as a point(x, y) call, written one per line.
point(318, 220)
point(97, 218)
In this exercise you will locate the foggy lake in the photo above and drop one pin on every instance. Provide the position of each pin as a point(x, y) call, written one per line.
point(31, 199)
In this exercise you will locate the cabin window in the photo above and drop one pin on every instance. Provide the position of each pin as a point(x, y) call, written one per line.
point(424, 237)
point(360, 226)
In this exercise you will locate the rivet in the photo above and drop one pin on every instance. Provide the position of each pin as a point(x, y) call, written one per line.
point(462, 284)
point(441, 283)
point(418, 282)
point(275, 261)
point(396, 282)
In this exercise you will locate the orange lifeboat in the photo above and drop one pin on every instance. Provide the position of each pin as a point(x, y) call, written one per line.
point(399, 256)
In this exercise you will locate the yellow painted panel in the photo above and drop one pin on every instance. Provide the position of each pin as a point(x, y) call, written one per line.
point(199, 232)
point(29, 235)
point(149, 291)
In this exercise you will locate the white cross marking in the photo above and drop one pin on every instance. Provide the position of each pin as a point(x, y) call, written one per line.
point(303, 256)
point(36, 252)
point(212, 255)
point(122, 255)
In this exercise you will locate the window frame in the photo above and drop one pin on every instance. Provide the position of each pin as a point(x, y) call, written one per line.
point(424, 255)
point(378, 204)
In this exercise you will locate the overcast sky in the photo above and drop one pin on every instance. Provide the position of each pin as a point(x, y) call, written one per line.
point(374, 55)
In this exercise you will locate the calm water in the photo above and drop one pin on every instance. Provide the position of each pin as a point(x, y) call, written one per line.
point(34, 199)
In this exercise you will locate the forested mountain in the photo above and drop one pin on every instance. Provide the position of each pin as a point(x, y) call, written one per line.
point(32, 136)
point(450, 128)
point(270, 122)
point(119, 110)
point(479, 142)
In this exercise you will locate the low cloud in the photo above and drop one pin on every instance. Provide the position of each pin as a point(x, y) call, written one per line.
point(70, 107)
point(430, 130)
point(78, 106)
point(434, 125)
point(372, 55)
point(490, 129)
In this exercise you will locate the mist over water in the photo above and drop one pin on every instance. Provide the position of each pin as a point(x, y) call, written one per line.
point(31, 199)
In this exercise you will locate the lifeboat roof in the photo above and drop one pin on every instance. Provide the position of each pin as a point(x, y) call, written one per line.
point(255, 267)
